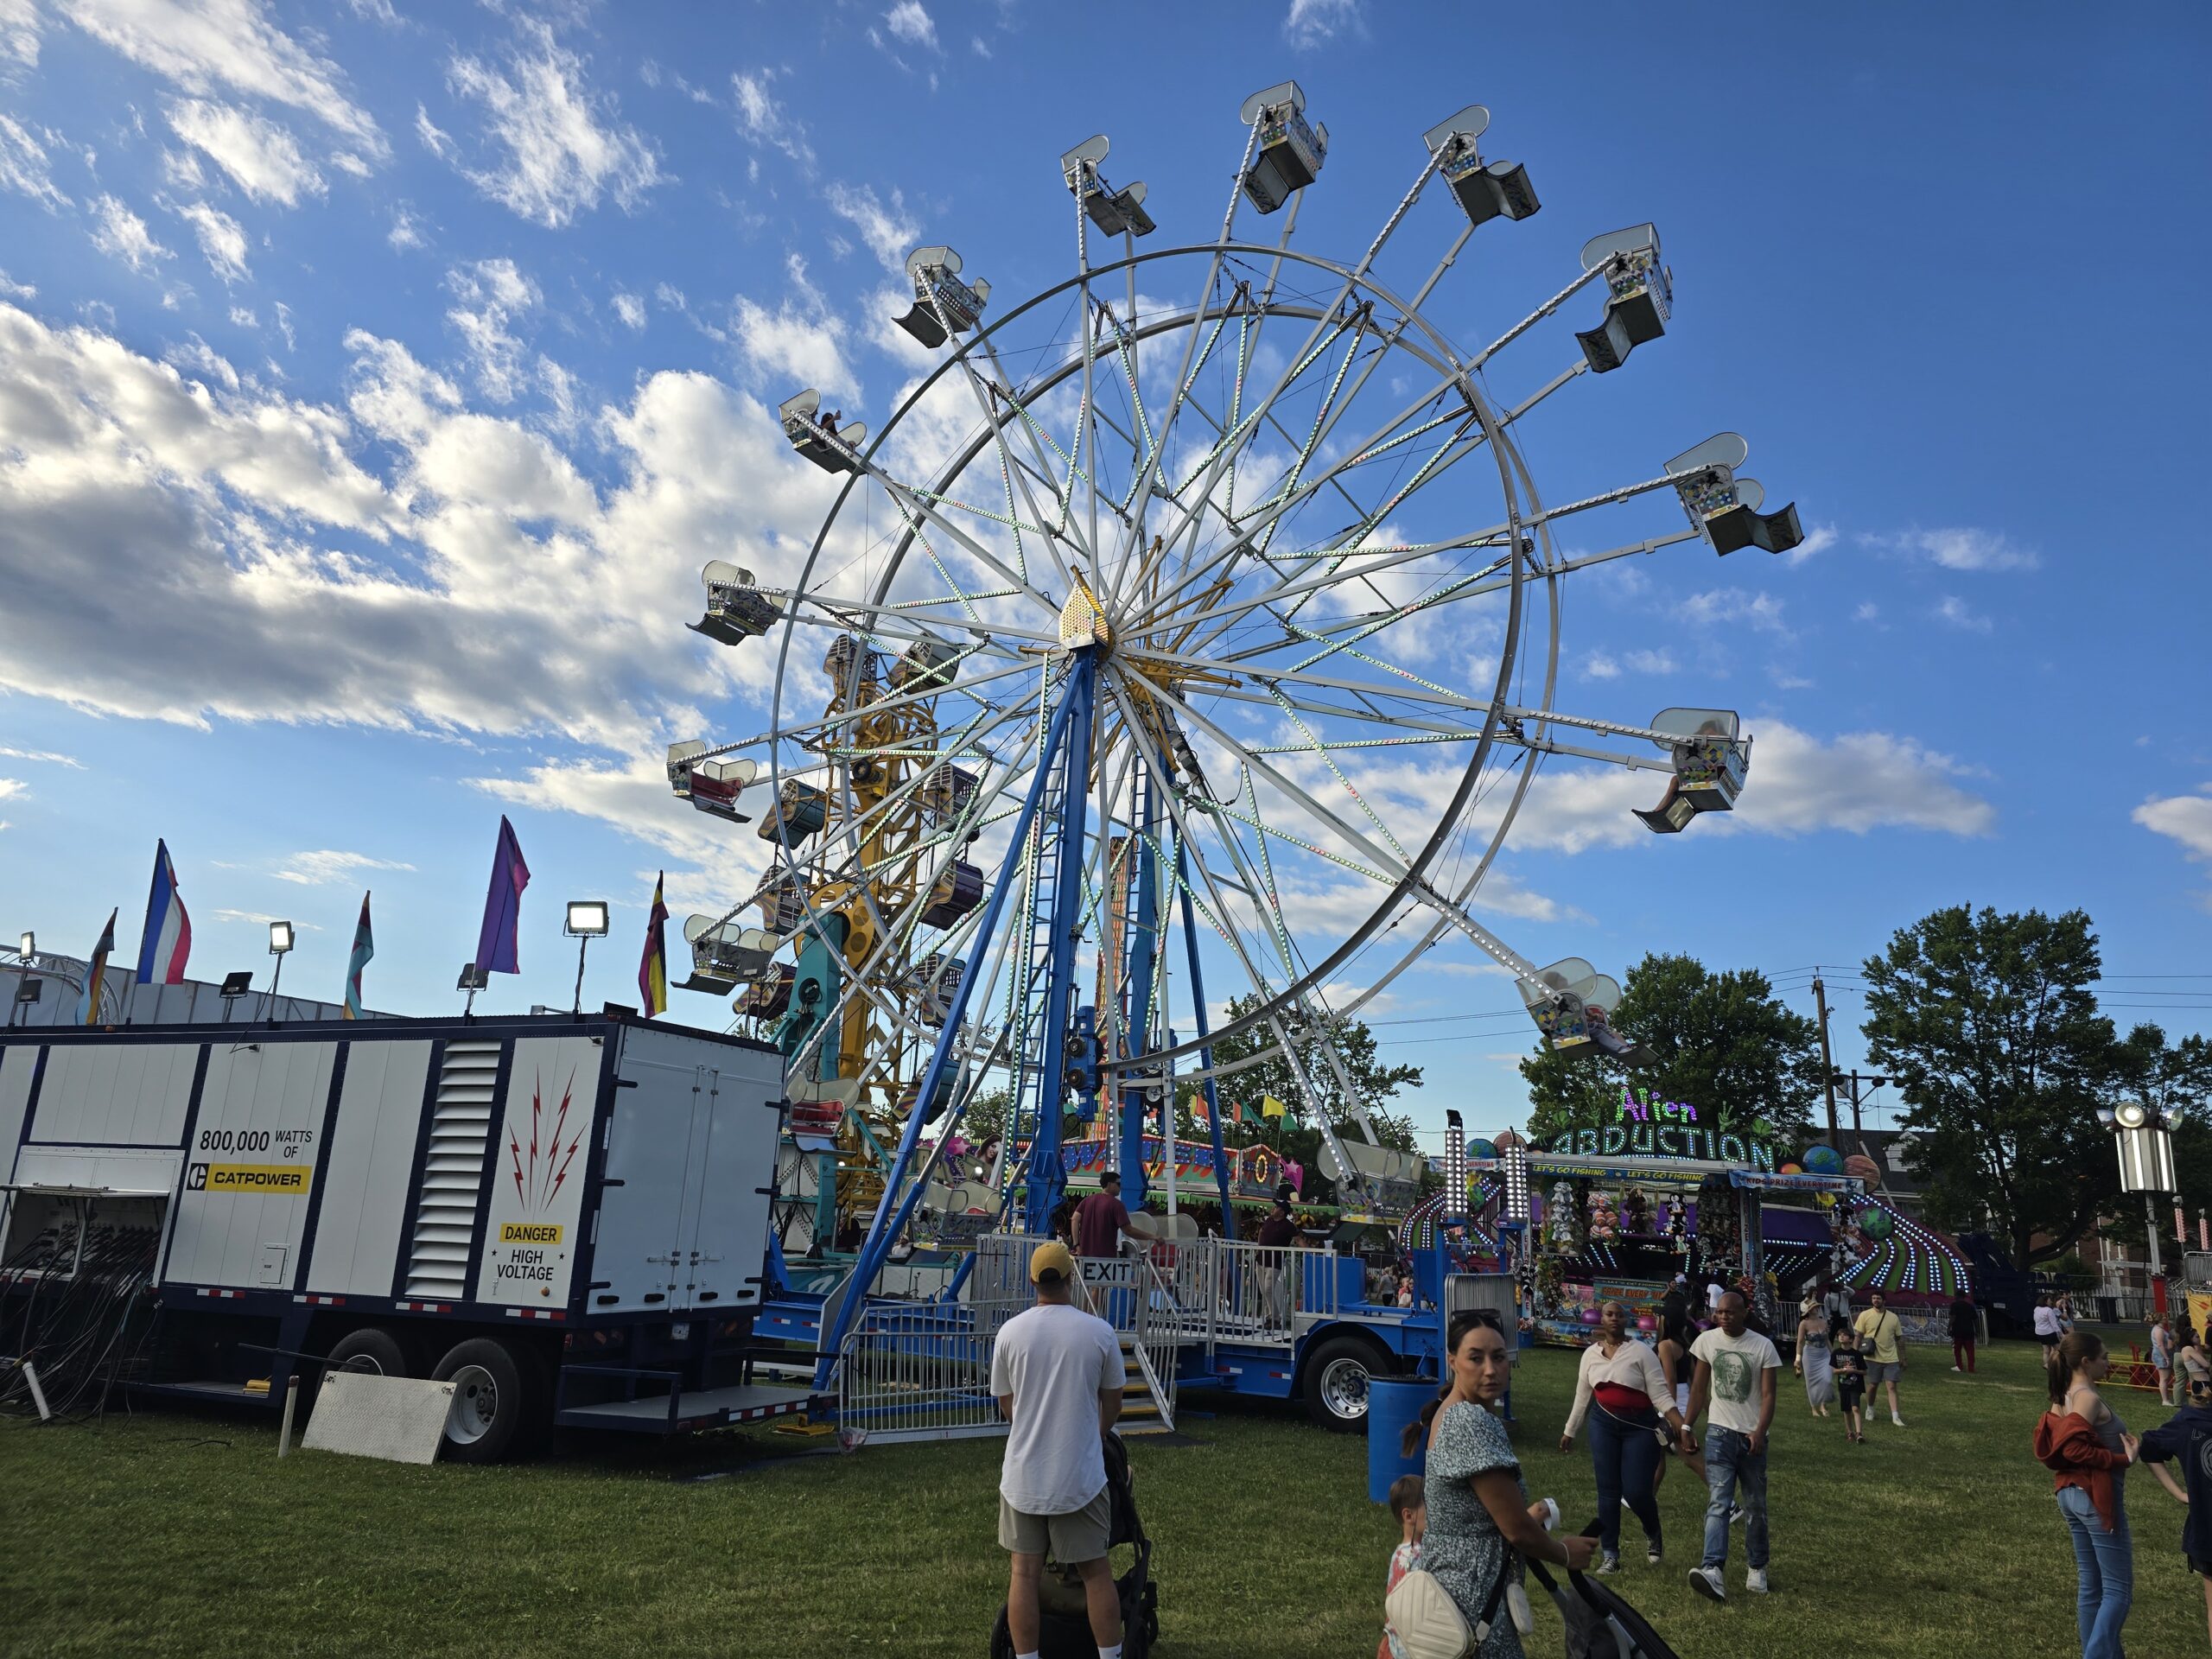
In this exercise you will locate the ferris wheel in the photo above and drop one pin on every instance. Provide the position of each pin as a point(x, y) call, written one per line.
point(1196, 617)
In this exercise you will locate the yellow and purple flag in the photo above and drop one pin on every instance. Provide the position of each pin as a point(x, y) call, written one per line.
point(653, 968)
point(496, 950)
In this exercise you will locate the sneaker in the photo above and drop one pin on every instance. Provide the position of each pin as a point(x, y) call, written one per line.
point(1609, 1561)
point(1954, 1368)
point(1895, 1421)
point(1706, 1580)
point(1653, 1553)
point(1754, 1581)
point(1736, 1515)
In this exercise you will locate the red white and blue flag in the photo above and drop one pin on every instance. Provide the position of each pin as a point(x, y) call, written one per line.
point(167, 938)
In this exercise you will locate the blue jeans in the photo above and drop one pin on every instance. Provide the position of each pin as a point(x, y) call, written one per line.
point(1625, 1452)
point(1730, 1464)
point(2105, 1562)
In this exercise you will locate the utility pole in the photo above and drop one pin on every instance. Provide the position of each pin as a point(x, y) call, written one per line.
point(1828, 1065)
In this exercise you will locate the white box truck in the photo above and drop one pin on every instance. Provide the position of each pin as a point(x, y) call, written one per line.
point(565, 1214)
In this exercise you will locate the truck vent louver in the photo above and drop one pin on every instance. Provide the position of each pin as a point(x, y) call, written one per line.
point(453, 1172)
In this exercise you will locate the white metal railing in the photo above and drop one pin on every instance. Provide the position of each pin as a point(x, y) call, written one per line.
point(1236, 1291)
point(918, 1371)
point(1158, 1336)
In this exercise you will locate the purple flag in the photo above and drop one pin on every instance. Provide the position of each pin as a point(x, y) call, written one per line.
point(495, 944)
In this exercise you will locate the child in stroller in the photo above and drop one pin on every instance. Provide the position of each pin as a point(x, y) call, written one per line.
point(1065, 1620)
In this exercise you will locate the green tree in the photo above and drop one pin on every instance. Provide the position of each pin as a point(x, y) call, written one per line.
point(1724, 1042)
point(1372, 1082)
point(1989, 1026)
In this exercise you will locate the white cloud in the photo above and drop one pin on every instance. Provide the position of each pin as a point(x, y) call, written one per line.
point(18, 36)
point(565, 147)
point(406, 231)
point(222, 240)
point(1598, 666)
point(203, 44)
point(910, 22)
point(1868, 611)
point(1733, 607)
point(12, 290)
point(265, 159)
point(1956, 612)
point(435, 138)
point(763, 120)
point(457, 582)
point(1602, 666)
point(2185, 818)
point(1818, 540)
point(24, 165)
point(1959, 549)
point(889, 233)
point(123, 234)
point(11, 787)
point(630, 308)
point(976, 45)
point(259, 919)
point(794, 347)
point(319, 869)
point(48, 756)
point(491, 293)
point(1311, 24)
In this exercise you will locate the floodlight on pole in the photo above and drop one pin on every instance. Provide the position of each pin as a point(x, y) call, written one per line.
point(29, 947)
point(2146, 1144)
point(280, 946)
point(587, 920)
point(473, 979)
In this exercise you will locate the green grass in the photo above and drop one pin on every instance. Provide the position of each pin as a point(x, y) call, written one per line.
point(182, 1533)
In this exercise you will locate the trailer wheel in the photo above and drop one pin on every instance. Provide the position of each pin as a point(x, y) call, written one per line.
point(1337, 1373)
point(492, 1399)
point(370, 1349)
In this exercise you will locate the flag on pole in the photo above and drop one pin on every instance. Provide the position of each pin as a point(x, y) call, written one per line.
point(88, 1004)
point(1270, 1107)
point(167, 938)
point(496, 950)
point(653, 969)
point(364, 946)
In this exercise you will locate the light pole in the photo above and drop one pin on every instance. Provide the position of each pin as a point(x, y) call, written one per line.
point(2145, 1137)
point(27, 988)
point(587, 921)
point(280, 946)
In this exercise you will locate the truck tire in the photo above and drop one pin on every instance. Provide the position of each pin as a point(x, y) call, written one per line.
point(1336, 1382)
point(493, 1400)
point(371, 1348)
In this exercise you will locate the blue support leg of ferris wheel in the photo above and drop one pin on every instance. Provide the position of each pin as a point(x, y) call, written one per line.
point(1048, 1176)
point(894, 1209)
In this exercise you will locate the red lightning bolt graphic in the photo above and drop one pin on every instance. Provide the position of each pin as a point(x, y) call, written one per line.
point(553, 1148)
point(515, 1148)
point(533, 1129)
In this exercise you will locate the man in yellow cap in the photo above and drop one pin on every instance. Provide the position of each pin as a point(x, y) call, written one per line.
point(1058, 1373)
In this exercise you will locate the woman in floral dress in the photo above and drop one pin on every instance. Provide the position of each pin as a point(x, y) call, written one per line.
point(1478, 1512)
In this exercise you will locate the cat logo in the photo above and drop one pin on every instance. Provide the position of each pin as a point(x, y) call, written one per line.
point(196, 1181)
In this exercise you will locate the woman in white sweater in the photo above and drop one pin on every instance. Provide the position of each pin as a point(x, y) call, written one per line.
point(1622, 1390)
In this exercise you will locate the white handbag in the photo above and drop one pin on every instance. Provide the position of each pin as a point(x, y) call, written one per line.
point(1428, 1622)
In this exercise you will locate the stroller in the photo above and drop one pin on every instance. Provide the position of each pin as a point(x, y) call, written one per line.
point(1064, 1617)
point(1599, 1625)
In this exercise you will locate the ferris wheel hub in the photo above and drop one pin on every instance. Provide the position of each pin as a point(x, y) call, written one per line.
point(1083, 622)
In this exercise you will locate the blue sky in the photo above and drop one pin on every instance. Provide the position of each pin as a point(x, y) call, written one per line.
point(377, 377)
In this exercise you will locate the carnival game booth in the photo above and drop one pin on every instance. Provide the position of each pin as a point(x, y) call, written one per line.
point(1619, 1226)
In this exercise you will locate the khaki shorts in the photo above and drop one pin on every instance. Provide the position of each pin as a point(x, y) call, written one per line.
point(1071, 1539)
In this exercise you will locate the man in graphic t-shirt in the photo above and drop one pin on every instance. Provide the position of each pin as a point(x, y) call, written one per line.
point(1736, 1371)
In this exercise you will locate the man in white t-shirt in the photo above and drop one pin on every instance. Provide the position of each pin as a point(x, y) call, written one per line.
point(1736, 1372)
point(1058, 1373)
